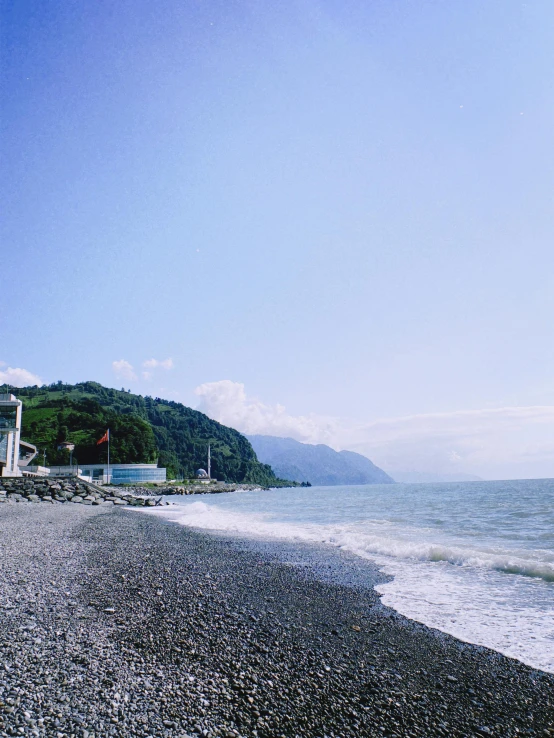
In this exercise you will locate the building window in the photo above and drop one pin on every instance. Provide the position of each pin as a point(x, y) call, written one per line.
point(123, 476)
point(8, 417)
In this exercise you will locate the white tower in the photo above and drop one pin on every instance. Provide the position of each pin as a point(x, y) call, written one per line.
point(10, 431)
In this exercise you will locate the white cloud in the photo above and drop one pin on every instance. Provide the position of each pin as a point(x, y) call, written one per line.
point(151, 364)
point(226, 401)
point(123, 369)
point(496, 443)
point(15, 377)
point(158, 363)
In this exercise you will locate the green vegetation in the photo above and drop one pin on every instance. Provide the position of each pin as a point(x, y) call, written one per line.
point(83, 421)
point(141, 430)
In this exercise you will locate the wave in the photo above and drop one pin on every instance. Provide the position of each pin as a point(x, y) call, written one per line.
point(459, 587)
point(368, 539)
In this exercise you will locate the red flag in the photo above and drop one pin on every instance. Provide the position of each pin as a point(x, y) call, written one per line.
point(105, 437)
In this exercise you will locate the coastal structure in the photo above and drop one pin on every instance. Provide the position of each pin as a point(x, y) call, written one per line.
point(112, 474)
point(15, 454)
point(10, 431)
point(203, 476)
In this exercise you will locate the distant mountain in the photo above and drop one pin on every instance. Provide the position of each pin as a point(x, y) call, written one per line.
point(430, 477)
point(319, 465)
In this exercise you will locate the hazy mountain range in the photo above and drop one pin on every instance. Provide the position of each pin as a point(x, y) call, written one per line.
point(317, 464)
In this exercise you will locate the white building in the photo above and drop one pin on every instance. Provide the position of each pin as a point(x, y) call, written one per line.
point(15, 454)
point(114, 474)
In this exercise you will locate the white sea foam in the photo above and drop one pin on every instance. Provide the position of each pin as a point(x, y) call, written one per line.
point(366, 539)
point(492, 590)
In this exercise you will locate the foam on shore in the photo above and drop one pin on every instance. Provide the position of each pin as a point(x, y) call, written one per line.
point(465, 591)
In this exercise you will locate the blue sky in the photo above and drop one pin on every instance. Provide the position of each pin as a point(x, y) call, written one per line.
point(346, 207)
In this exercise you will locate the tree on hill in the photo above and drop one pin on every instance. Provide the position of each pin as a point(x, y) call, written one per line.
point(142, 428)
point(84, 422)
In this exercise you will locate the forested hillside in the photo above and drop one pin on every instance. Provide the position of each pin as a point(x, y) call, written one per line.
point(142, 429)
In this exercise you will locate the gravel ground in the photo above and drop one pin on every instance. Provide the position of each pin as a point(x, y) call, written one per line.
point(117, 623)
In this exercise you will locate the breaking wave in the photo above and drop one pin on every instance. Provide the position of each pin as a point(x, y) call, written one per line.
point(357, 539)
point(475, 561)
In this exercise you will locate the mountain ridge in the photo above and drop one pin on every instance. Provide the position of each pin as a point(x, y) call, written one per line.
point(316, 463)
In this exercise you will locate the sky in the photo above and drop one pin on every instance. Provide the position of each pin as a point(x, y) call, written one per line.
point(326, 219)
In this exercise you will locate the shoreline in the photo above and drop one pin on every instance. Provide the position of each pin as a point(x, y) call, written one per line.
point(483, 588)
point(113, 623)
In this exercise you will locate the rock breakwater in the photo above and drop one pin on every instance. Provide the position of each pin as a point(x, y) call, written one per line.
point(190, 488)
point(61, 490)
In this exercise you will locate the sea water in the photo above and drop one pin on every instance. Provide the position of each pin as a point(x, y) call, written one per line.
point(473, 559)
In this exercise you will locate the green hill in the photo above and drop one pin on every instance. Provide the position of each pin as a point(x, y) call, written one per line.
point(142, 429)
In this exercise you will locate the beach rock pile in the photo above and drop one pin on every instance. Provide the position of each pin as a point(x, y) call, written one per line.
point(137, 490)
point(191, 488)
point(62, 490)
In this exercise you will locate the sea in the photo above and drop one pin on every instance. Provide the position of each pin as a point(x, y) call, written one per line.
point(473, 559)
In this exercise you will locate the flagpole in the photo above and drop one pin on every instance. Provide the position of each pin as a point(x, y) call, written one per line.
point(108, 479)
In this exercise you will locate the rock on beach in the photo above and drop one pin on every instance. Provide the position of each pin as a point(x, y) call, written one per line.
point(115, 623)
point(71, 489)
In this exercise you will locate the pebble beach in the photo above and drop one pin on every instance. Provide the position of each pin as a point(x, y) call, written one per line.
point(114, 622)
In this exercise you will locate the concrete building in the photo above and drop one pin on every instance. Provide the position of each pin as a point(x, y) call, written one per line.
point(36, 471)
point(118, 473)
point(15, 454)
point(202, 476)
point(10, 432)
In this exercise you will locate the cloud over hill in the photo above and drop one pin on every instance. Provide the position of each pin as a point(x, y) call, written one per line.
point(501, 442)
